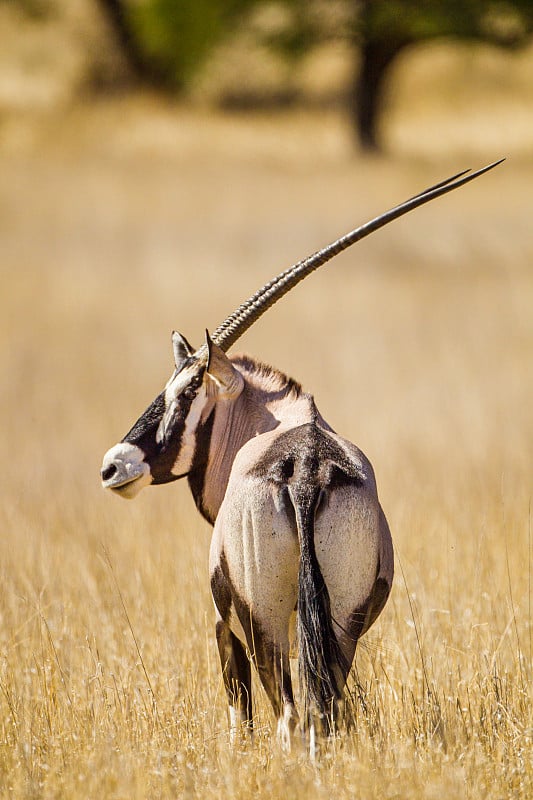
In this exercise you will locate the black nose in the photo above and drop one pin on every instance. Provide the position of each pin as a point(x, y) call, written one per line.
point(108, 472)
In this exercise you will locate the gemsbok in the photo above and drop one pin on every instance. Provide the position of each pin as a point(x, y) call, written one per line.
point(298, 527)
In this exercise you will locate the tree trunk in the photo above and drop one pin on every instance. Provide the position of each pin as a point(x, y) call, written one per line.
point(143, 70)
point(377, 56)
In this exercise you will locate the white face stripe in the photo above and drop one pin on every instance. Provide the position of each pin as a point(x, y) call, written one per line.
point(175, 386)
point(185, 457)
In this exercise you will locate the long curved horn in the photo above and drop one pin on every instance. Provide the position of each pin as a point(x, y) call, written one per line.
point(243, 317)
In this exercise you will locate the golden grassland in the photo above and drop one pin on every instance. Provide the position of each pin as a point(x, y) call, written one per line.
point(121, 223)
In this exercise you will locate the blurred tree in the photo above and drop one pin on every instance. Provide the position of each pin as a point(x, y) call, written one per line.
point(385, 28)
point(141, 66)
point(166, 41)
point(33, 8)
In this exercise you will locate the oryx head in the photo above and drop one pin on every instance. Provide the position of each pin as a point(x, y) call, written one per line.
point(161, 445)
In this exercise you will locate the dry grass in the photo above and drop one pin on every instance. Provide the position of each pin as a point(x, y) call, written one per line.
point(120, 223)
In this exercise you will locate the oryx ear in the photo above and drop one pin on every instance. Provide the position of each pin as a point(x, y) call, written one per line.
point(220, 369)
point(181, 347)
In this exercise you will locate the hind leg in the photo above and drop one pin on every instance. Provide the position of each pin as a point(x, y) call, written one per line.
point(254, 566)
point(237, 677)
point(236, 670)
point(273, 667)
point(350, 630)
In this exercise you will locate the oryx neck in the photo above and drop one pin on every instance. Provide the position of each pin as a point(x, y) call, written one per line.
point(269, 400)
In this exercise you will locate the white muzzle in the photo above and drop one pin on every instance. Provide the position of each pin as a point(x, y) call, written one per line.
point(125, 471)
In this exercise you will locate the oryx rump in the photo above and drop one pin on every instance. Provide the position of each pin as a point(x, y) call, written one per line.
point(298, 527)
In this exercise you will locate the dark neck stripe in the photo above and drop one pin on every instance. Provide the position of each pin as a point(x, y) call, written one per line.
point(200, 460)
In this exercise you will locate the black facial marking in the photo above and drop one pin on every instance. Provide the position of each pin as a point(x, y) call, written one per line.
point(161, 455)
point(147, 424)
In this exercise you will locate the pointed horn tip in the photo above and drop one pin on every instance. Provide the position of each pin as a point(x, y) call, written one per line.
point(471, 173)
point(490, 166)
point(467, 174)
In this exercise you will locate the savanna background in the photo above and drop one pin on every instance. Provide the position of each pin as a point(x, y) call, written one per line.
point(125, 212)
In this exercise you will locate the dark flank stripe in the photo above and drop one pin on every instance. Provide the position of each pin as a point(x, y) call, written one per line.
point(196, 476)
point(363, 617)
point(221, 591)
point(242, 609)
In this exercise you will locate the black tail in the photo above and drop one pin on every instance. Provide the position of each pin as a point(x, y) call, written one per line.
point(321, 664)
